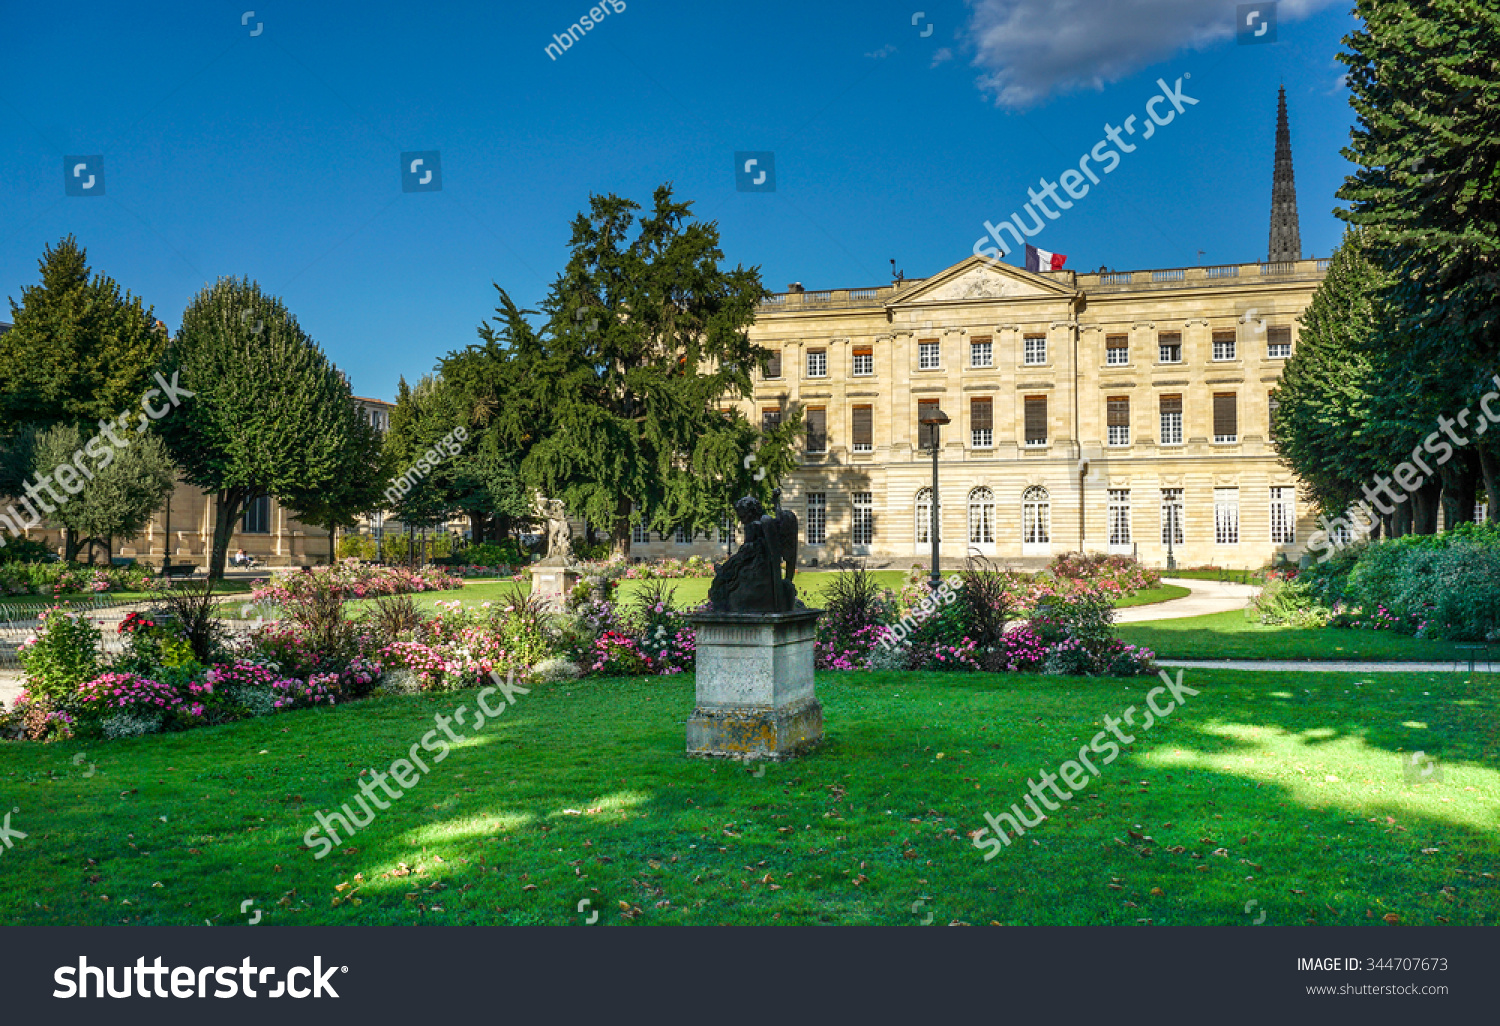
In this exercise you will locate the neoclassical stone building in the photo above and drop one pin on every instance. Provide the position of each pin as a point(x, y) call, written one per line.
point(1112, 411)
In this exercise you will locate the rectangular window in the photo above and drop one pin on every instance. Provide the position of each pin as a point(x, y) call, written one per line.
point(1117, 350)
point(929, 354)
point(1481, 512)
point(773, 364)
point(981, 353)
point(864, 361)
point(1278, 343)
point(817, 429)
point(1171, 516)
point(1283, 516)
point(817, 518)
point(1117, 419)
point(817, 363)
point(1224, 345)
point(1036, 349)
point(864, 428)
point(726, 528)
point(925, 407)
point(1226, 417)
point(770, 417)
point(1227, 516)
point(981, 423)
point(640, 534)
point(257, 516)
point(1169, 347)
point(1119, 516)
point(864, 518)
point(1036, 420)
point(1171, 420)
point(682, 535)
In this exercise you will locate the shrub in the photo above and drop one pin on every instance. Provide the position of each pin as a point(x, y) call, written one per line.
point(318, 610)
point(1125, 571)
point(193, 611)
point(987, 595)
point(550, 671)
point(424, 663)
point(618, 655)
point(853, 604)
point(122, 725)
point(358, 546)
point(394, 618)
point(1291, 602)
point(318, 689)
point(502, 553)
point(63, 654)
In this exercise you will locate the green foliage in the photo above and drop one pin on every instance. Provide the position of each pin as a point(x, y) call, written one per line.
point(358, 546)
point(80, 351)
point(25, 550)
point(124, 492)
point(618, 412)
point(1423, 85)
point(64, 655)
point(270, 415)
point(1290, 602)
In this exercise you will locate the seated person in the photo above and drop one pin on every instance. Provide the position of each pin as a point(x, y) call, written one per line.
point(240, 559)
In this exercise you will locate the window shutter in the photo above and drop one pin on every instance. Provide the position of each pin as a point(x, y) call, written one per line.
point(924, 431)
point(1279, 336)
point(981, 414)
point(1036, 418)
point(770, 416)
point(1169, 338)
point(1224, 335)
point(1116, 341)
point(773, 364)
point(1226, 414)
point(1171, 404)
point(864, 426)
point(1118, 411)
point(864, 351)
point(817, 429)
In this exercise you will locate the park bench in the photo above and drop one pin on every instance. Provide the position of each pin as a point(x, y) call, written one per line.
point(180, 572)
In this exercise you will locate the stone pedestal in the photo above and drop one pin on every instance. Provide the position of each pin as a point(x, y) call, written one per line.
point(553, 584)
point(755, 685)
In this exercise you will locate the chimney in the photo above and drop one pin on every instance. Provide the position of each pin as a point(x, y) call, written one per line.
point(795, 286)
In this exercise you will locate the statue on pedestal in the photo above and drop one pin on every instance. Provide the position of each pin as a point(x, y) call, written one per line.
point(758, 577)
point(559, 533)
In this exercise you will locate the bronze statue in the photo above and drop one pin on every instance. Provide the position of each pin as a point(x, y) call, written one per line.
point(758, 578)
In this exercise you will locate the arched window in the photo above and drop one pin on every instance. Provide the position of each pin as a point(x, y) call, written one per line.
point(924, 518)
point(1036, 516)
point(981, 517)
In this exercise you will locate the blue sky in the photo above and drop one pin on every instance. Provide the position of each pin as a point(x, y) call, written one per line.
point(277, 155)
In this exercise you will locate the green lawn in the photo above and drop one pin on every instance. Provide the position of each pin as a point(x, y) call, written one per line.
point(1286, 792)
point(1151, 596)
point(1226, 575)
point(1231, 636)
point(114, 597)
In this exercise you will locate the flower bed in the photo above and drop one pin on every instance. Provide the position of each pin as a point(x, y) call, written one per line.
point(355, 580)
point(57, 578)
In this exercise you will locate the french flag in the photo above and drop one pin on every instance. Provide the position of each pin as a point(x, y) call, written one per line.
point(1041, 260)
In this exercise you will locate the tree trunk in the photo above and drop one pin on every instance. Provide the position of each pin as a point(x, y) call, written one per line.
point(1489, 469)
point(1425, 511)
point(227, 506)
point(70, 545)
point(1401, 520)
point(333, 534)
point(619, 535)
point(1460, 483)
point(476, 526)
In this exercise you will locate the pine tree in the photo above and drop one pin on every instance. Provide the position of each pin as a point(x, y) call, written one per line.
point(619, 411)
point(269, 415)
point(80, 351)
point(1425, 82)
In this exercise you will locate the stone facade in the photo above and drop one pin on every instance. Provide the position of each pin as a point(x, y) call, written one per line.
point(1047, 360)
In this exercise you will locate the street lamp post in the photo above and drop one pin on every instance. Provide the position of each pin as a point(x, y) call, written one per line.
point(1171, 533)
point(934, 420)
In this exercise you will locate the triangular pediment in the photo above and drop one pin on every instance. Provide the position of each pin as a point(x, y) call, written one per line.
point(979, 278)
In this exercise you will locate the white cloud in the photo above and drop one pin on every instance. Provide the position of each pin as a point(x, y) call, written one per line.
point(942, 57)
point(1033, 49)
point(884, 52)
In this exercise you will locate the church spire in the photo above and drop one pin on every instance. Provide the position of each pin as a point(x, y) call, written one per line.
point(1286, 240)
